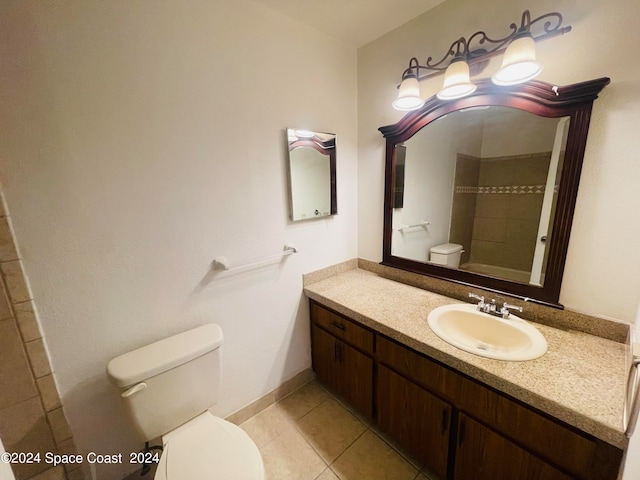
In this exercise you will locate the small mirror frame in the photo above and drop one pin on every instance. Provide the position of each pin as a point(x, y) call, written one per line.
point(325, 148)
point(540, 98)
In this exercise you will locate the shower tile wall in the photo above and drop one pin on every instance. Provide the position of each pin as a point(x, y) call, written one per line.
point(506, 224)
point(31, 415)
point(506, 201)
point(463, 210)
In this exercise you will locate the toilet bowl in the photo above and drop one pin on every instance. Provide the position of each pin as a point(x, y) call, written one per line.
point(168, 387)
point(209, 447)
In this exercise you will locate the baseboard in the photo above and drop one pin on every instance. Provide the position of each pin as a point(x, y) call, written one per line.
point(289, 386)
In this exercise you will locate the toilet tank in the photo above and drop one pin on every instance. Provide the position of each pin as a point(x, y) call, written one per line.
point(169, 382)
point(447, 254)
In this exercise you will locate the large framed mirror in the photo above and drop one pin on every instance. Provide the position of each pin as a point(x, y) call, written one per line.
point(312, 174)
point(481, 190)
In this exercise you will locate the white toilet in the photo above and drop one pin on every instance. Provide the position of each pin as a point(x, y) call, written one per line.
point(168, 388)
point(447, 255)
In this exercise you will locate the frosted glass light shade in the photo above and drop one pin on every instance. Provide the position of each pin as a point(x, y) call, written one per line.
point(456, 81)
point(519, 62)
point(409, 94)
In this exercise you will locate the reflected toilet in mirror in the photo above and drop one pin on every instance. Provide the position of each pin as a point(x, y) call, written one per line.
point(312, 174)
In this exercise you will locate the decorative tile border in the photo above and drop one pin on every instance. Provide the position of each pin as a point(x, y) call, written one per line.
point(504, 189)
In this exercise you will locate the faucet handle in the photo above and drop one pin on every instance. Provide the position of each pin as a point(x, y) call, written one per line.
point(506, 307)
point(478, 297)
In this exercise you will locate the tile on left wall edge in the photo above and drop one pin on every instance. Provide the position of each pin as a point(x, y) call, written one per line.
point(15, 280)
point(24, 428)
point(8, 249)
point(49, 392)
point(38, 358)
point(59, 426)
point(27, 321)
point(17, 381)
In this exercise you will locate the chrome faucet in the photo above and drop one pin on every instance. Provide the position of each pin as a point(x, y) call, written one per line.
point(481, 304)
point(505, 310)
point(492, 308)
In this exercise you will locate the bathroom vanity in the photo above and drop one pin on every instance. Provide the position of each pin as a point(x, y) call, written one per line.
point(464, 416)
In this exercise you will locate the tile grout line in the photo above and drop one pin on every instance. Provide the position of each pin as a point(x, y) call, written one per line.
point(347, 448)
point(366, 423)
point(349, 445)
point(370, 426)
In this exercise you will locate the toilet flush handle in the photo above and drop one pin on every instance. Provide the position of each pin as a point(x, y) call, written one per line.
point(133, 390)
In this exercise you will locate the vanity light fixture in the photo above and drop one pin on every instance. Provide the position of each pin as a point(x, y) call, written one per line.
point(456, 80)
point(409, 92)
point(519, 63)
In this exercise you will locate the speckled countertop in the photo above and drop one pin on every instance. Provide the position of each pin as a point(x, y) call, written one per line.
point(580, 380)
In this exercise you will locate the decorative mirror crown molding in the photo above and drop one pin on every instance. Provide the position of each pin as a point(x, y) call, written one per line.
point(536, 93)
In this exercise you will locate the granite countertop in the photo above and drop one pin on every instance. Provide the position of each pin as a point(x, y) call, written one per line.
point(581, 379)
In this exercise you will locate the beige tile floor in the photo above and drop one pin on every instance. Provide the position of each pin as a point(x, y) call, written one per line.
point(311, 435)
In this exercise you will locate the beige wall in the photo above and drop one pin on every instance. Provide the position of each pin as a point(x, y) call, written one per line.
point(140, 140)
point(603, 264)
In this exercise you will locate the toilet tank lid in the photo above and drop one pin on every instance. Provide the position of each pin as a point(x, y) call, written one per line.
point(446, 248)
point(163, 355)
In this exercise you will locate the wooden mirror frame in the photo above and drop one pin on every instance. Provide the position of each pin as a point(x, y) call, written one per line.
point(540, 98)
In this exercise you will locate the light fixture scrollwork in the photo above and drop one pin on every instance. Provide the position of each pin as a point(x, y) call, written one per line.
point(518, 65)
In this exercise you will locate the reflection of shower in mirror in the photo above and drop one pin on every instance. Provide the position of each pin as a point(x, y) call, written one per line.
point(488, 180)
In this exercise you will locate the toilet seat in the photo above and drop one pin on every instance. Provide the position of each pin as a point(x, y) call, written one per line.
point(209, 447)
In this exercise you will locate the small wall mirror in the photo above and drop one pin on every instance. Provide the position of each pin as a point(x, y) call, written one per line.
point(481, 190)
point(312, 174)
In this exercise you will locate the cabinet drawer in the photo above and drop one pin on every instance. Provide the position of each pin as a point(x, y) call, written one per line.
point(582, 456)
point(342, 328)
point(412, 365)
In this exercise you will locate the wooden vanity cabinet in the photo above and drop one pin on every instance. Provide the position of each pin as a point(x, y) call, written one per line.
point(482, 454)
point(419, 420)
point(562, 447)
point(459, 427)
point(341, 353)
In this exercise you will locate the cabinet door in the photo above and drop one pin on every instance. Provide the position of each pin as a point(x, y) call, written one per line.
point(418, 420)
point(345, 370)
point(483, 454)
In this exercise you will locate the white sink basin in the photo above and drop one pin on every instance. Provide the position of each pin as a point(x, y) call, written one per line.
point(464, 327)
